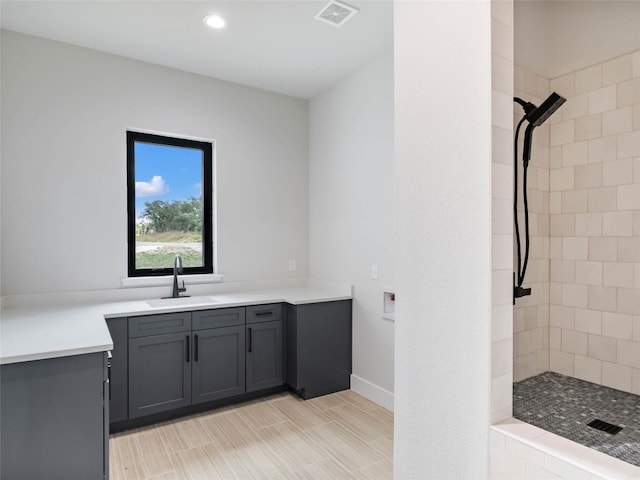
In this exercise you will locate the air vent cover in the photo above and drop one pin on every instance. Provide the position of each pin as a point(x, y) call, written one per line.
point(336, 13)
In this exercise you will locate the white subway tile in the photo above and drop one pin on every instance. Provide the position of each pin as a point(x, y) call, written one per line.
point(636, 170)
point(501, 180)
point(574, 296)
point(501, 115)
point(561, 179)
point(617, 224)
point(629, 353)
point(628, 249)
point(589, 369)
point(575, 107)
point(589, 321)
point(629, 144)
point(555, 202)
point(555, 294)
point(574, 342)
point(575, 248)
point(636, 275)
point(564, 85)
point(636, 117)
point(603, 248)
point(555, 338)
point(587, 128)
point(588, 79)
point(555, 248)
point(628, 93)
point(616, 376)
point(501, 73)
point(518, 319)
point(561, 362)
point(603, 149)
point(562, 133)
point(501, 392)
point(617, 172)
point(617, 325)
point(636, 223)
point(555, 156)
point(617, 70)
point(501, 357)
point(502, 322)
point(635, 381)
point(602, 99)
point(588, 272)
point(502, 39)
point(617, 121)
point(588, 224)
point(629, 197)
point(602, 298)
point(629, 302)
point(575, 154)
point(561, 316)
point(588, 176)
point(602, 348)
point(574, 201)
point(563, 271)
point(636, 64)
point(618, 274)
point(501, 216)
point(602, 199)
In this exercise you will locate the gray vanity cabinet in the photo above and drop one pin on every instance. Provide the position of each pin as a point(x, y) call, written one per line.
point(159, 363)
point(265, 345)
point(54, 418)
point(318, 349)
point(118, 370)
point(218, 368)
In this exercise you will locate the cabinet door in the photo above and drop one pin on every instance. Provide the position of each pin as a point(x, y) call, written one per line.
point(118, 402)
point(159, 373)
point(264, 355)
point(218, 363)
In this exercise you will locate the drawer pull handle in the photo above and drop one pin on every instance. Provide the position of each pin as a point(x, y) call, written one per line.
point(264, 314)
point(250, 340)
point(188, 353)
point(195, 348)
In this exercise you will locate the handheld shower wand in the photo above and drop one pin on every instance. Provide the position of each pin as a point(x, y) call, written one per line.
point(536, 116)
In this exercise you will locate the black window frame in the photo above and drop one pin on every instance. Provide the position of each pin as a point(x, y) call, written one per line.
point(207, 199)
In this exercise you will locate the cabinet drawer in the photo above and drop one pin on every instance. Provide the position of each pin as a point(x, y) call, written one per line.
point(223, 317)
point(264, 313)
point(159, 324)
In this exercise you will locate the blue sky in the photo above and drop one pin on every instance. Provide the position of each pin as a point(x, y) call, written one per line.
point(166, 173)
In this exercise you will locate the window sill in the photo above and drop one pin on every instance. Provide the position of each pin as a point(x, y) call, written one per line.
point(134, 282)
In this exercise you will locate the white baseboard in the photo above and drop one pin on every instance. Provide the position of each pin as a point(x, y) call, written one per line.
point(373, 392)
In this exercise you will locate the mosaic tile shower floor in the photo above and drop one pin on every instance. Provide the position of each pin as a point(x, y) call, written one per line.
point(565, 405)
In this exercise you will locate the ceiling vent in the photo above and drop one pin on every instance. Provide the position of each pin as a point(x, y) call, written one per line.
point(336, 13)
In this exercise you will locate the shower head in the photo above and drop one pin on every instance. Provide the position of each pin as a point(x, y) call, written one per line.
point(540, 114)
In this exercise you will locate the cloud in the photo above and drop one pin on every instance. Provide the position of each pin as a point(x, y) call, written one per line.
point(157, 186)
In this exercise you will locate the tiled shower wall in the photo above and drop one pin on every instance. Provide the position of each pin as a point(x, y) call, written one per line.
point(531, 313)
point(594, 202)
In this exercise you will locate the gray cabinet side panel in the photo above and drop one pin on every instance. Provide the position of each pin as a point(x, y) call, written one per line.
point(324, 336)
point(291, 348)
point(52, 419)
point(118, 381)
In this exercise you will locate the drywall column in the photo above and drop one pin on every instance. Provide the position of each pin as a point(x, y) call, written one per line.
point(443, 238)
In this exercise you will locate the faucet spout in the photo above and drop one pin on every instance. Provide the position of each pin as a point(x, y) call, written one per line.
point(177, 269)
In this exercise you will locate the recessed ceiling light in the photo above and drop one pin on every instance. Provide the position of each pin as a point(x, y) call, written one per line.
point(214, 21)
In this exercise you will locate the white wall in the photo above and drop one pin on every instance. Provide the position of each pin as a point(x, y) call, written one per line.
point(351, 210)
point(443, 238)
point(65, 113)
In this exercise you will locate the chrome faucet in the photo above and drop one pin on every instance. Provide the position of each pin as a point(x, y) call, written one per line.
point(177, 269)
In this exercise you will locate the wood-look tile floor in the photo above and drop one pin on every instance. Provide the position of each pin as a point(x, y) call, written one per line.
point(337, 436)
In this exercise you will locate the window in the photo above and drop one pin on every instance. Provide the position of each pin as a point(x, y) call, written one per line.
point(169, 204)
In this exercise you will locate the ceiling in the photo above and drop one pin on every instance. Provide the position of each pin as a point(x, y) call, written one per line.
point(273, 45)
point(556, 37)
point(277, 45)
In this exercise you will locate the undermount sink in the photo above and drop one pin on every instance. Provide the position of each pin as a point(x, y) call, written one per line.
point(170, 302)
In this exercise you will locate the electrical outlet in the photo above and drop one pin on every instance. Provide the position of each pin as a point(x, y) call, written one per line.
point(292, 265)
point(374, 272)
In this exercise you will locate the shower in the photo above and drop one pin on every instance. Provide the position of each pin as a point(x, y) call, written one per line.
point(535, 116)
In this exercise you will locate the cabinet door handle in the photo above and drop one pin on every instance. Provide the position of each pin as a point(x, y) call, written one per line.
point(250, 340)
point(195, 348)
point(264, 313)
point(188, 352)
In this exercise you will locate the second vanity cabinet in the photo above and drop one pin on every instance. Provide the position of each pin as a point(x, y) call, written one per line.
point(186, 358)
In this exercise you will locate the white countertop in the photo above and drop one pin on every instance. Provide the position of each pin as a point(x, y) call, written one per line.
point(47, 332)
